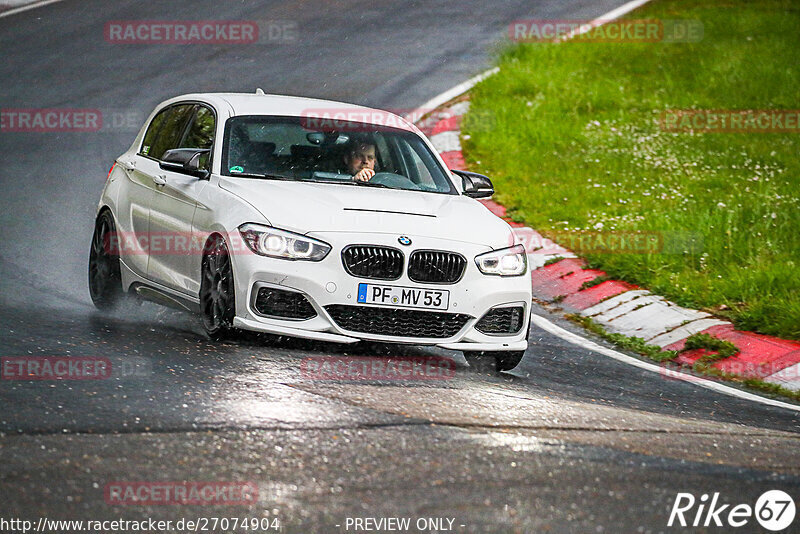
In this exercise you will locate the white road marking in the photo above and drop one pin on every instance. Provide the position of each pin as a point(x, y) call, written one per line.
point(575, 339)
point(451, 93)
point(31, 5)
point(463, 87)
point(611, 15)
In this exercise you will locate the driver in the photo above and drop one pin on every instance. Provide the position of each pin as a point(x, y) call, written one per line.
point(359, 160)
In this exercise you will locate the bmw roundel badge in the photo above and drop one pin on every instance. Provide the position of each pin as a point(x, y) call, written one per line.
point(403, 240)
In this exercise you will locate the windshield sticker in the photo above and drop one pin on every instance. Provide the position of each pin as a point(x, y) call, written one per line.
point(145, 150)
point(236, 168)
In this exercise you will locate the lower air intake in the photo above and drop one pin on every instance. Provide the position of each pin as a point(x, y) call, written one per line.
point(283, 304)
point(502, 321)
point(397, 322)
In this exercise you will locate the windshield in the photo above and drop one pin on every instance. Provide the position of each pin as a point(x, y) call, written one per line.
point(350, 153)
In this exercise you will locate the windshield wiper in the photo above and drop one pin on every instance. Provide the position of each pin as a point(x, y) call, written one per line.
point(370, 184)
point(323, 181)
point(310, 180)
point(262, 176)
point(345, 182)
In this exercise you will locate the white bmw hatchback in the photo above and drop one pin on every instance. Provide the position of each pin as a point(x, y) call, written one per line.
point(313, 219)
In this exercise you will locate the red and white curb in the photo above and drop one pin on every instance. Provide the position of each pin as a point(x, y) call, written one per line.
point(618, 306)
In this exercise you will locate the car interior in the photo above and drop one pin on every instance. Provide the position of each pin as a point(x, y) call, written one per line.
point(259, 147)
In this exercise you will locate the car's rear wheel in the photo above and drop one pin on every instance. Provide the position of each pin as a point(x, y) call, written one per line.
point(217, 300)
point(105, 280)
point(494, 361)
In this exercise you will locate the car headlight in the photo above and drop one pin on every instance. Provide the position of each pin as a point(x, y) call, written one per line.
point(268, 241)
point(510, 261)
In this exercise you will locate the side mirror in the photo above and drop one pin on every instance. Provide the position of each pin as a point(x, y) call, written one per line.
point(184, 160)
point(475, 185)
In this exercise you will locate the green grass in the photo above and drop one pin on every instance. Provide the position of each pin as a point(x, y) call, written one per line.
point(722, 348)
point(595, 282)
point(634, 344)
point(570, 135)
point(702, 367)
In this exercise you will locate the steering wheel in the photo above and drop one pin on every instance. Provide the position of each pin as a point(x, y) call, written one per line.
point(395, 181)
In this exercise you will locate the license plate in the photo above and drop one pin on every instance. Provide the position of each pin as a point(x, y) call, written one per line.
point(406, 297)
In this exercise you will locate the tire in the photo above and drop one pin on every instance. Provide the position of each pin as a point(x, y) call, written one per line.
point(105, 280)
point(494, 361)
point(506, 361)
point(217, 290)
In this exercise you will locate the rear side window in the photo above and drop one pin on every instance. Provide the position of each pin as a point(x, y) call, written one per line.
point(152, 131)
point(170, 130)
point(201, 133)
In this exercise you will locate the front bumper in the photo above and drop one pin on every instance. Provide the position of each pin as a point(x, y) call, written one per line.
point(327, 283)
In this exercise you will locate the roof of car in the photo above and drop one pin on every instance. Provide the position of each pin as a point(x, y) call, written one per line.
point(295, 106)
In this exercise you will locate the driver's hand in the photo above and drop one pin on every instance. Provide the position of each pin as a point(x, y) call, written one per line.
point(364, 175)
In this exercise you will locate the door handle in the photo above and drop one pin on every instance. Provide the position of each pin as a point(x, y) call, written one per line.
point(160, 179)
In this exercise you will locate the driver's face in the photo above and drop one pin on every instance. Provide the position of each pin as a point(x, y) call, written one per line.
point(361, 157)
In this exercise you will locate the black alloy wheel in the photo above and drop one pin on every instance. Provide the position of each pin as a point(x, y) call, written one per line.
point(105, 280)
point(217, 298)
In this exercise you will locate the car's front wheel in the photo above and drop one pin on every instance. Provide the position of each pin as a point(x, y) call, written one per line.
point(105, 280)
point(498, 361)
point(217, 300)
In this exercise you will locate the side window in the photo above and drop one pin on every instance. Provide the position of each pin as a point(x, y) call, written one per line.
point(201, 133)
point(423, 174)
point(171, 130)
point(418, 170)
point(152, 131)
point(384, 161)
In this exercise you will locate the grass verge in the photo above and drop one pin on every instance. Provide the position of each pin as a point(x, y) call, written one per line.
point(721, 347)
point(703, 366)
point(634, 344)
point(570, 135)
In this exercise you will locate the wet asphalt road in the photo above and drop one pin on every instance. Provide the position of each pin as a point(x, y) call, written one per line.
point(572, 442)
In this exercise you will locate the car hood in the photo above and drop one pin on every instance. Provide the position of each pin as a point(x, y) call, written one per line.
point(314, 208)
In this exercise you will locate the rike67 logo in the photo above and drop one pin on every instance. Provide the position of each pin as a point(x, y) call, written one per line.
point(774, 510)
